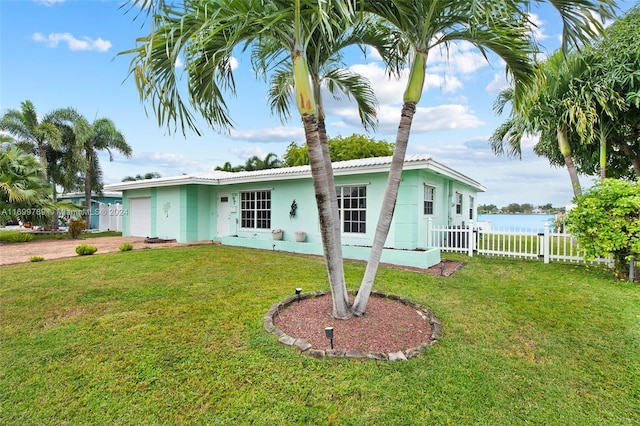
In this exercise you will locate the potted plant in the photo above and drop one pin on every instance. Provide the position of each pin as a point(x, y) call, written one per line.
point(277, 234)
point(300, 236)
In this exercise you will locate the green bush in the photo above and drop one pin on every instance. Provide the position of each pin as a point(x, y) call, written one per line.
point(36, 259)
point(76, 226)
point(85, 249)
point(126, 247)
point(15, 236)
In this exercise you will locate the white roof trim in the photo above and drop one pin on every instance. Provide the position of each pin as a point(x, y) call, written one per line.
point(340, 168)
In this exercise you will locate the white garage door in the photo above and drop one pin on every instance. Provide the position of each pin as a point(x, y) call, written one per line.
point(140, 217)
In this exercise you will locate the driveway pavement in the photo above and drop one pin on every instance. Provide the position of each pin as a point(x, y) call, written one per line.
point(12, 253)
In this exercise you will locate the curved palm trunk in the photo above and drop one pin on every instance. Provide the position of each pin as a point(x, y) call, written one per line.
point(330, 243)
point(387, 209)
point(412, 96)
point(565, 149)
point(331, 183)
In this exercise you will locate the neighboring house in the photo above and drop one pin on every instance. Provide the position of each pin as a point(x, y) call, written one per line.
point(243, 208)
point(103, 210)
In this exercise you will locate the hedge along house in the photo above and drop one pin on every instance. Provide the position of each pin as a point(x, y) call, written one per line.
point(243, 208)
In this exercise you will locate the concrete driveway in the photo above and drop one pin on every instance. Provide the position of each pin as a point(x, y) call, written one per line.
point(12, 253)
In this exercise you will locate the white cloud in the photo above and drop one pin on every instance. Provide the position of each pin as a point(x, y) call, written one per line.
point(497, 85)
point(86, 43)
point(248, 152)
point(536, 27)
point(49, 2)
point(274, 134)
point(459, 58)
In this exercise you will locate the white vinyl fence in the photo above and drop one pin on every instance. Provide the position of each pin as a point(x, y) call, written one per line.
point(110, 217)
point(474, 239)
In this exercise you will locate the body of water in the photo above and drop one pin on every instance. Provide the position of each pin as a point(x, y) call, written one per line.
point(528, 222)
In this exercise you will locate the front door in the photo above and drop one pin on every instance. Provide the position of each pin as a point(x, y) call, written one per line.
point(224, 215)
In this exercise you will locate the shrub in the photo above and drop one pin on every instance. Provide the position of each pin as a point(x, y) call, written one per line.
point(126, 247)
point(15, 236)
point(76, 226)
point(36, 259)
point(85, 250)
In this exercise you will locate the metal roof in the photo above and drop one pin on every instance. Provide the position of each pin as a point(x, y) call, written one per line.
point(340, 168)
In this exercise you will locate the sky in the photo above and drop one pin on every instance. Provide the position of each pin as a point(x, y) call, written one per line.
point(67, 53)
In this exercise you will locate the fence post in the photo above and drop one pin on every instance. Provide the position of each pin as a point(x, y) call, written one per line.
point(546, 243)
point(470, 238)
point(429, 232)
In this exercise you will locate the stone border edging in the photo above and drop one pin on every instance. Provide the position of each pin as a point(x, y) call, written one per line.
point(306, 347)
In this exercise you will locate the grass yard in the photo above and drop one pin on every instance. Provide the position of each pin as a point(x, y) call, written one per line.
point(174, 336)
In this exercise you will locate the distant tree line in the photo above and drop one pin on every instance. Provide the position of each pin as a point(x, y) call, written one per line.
point(340, 149)
point(515, 208)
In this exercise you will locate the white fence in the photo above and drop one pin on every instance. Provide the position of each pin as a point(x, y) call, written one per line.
point(474, 240)
point(110, 216)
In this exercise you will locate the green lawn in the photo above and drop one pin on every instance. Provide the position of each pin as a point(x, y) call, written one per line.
point(174, 336)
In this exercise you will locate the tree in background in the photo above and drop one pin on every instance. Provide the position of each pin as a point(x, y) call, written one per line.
point(35, 134)
point(24, 194)
point(101, 135)
point(585, 107)
point(22, 187)
point(606, 222)
point(341, 149)
point(150, 175)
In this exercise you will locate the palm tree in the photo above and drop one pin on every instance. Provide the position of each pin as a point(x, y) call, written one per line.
point(22, 188)
point(562, 105)
point(31, 132)
point(103, 136)
point(494, 26)
point(427, 26)
point(203, 34)
point(327, 69)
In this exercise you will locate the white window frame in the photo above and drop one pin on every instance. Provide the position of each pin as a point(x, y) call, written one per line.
point(353, 218)
point(429, 191)
point(458, 203)
point(255, 209)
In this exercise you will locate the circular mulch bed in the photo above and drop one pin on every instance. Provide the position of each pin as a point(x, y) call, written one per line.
point(392, 328)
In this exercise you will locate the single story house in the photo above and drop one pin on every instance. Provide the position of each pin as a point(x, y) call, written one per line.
point(103, 212)
point(243, 208)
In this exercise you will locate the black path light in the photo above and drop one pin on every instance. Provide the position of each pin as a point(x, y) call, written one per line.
point(298, 291)
point(328, 331)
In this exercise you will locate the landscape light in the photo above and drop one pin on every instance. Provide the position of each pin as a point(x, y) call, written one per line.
point(328, 331)
point(298, 291)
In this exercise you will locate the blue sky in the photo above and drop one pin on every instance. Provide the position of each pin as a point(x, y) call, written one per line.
point(64, 53)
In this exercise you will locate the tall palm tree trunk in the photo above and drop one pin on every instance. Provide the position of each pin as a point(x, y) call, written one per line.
point(332, 250)
point(565, 149)
point(331, 183)
point(87, 193)
point(387, 209)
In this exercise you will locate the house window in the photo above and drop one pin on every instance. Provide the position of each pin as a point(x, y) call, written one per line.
point(471, 201)
point(458, 203)
point(352, 205)
point(429, 198)
point(255, 209)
